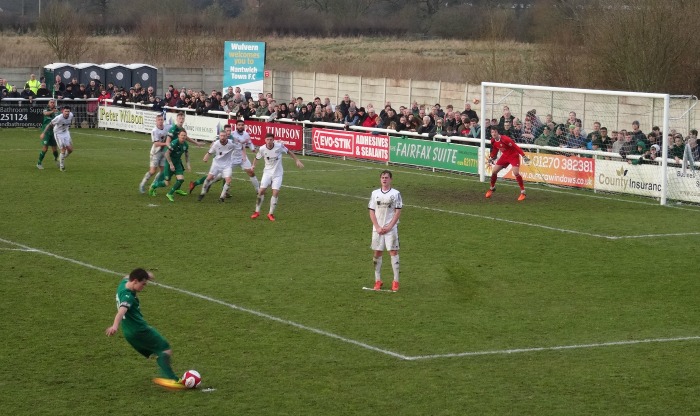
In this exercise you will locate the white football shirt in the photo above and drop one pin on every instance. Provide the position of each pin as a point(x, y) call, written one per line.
point(61, 124)
point(273, 158)
point(222, 152)
point(159, 136)
point(385, 204)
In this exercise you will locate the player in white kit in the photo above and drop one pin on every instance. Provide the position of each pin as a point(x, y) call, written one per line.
point(272, 175)
point(384, 210)
point(159, 136)
point(241, 136)
point(222, 150)
point(61, 123)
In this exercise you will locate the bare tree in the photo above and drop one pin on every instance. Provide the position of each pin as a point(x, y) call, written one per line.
point(59, 29)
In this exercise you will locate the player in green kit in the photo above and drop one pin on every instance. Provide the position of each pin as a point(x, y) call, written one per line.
point(176, 149)
point(143, 337)
point(49, 113)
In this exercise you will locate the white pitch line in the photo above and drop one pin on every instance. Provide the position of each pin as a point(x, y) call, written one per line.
point(351, 341)
point(18, 249)
point(220, 302)
point(557, 348)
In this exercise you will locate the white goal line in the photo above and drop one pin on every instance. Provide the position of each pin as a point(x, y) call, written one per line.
point(360, 344)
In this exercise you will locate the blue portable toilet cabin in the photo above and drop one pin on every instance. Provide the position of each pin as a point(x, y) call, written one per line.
point(62, 69)
point(144, 74)
point(88, 72)
point(118, 74)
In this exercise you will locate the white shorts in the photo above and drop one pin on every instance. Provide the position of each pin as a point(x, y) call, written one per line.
point(388, 241)
point(223, 170)
point(244, 163)
point(158, 160)
point(63, 140)
point(268, 179)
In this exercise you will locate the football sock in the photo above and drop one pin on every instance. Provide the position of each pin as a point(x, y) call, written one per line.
point(55, 154)
point(166, 370)
point(158, 183)
point(377, 268)
point(256, 184)
point(258, 202)
point(395, 266)
point(273, 204)
point(494, 177)
point(41, 156)
point(223, 191)
point(206, 186)
point(200, 180)
point(176, 186)
point(146, 177)
point(520, 182)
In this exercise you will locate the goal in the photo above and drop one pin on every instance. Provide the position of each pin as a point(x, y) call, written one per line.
point(606, 141)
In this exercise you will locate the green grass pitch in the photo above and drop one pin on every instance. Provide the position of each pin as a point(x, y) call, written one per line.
point(274, 316)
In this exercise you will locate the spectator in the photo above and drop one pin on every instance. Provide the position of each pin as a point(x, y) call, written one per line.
point(351, 119)
point(474, 129)
point(677, 148)
point(389, 117)
point(104, 96)
point(327, 104)
point(32, 84)
point(572, 119)
point(426, 127)
point(338, 116)
point(92, 89)
point(438, 128)
point(402, 124)
point(628, 145)
point(362, 114)
point(387, 106)
point(317, 115)
point(27, 93)
point(283, 111)
point(606, 141)
point(620, 142)
point(638, 135)
point(181, 102)
point(229, 94)
point(157, 104)
point(546, 139)
point(328, 114)
point(244, 111)
point(469, 112)
point(560, 135)
point(450, 121)
point(527, 132)
point(595, 134)
point(58, 85)
point(121, 98)
point(262, 109)
point(506, 129)
point(414, 108)
point(304, 114)
point(576, 140)
point(344, 105)
point(372, 119)
point(413, 122)
point(694, 148)
point(507, 116)
point(91, 105)
point(43, 92)
point(438, 111)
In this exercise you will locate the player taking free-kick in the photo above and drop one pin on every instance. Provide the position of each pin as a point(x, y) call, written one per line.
point(144, 338)
point(510, 155)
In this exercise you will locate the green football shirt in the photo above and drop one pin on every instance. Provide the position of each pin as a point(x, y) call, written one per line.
point(47, 119)
point(178, 149)
point(174, 132)
point(133, 321)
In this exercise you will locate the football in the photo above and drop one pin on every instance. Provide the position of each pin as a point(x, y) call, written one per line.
point(476, 101)
point(191, 379)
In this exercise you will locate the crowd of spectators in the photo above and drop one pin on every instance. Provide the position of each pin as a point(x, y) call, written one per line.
point(637, 146)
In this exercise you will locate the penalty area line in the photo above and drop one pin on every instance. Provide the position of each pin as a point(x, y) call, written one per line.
point(220, 302)
point(556, 348)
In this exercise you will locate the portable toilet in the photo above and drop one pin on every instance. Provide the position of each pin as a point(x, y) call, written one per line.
point(143, 74)
point(62, 69)
point(118, 74)
point(88, 72)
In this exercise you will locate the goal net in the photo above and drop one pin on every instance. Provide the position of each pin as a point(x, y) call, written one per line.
point(606, 141)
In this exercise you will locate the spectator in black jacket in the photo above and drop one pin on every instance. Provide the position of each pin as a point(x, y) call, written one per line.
point(43, 92)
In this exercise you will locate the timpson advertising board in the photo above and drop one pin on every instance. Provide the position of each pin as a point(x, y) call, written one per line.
point(350, 144)
point(291, 135)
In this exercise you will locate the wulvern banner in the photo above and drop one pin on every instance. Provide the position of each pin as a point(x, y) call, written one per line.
point(290, 134)
point(244, 65)
point(350, 144)
point(555, 169)
point(439, 155)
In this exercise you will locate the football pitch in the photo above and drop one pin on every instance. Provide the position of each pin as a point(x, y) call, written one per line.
point(566, 303)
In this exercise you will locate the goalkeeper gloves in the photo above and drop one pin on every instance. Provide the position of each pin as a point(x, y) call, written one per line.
point(492, 160)
point(526, 160)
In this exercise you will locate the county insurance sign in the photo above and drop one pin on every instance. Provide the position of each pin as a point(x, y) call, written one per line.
point(244, 65)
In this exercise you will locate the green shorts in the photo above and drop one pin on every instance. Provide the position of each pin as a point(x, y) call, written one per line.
point(49, 140)
point(179, 169)
point(148, 342)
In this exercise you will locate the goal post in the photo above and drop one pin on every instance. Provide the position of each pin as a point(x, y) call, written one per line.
point(619, 168)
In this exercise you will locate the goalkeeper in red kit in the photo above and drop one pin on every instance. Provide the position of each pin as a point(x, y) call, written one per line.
point(510, 155)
